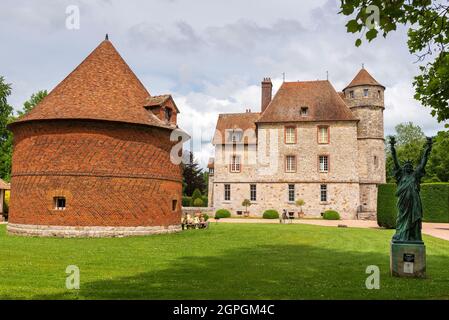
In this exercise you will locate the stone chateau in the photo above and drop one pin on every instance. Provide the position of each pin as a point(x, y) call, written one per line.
point(308, 142)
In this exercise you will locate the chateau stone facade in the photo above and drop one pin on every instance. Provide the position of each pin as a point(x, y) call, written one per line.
point(93, 158)
point(309, 142)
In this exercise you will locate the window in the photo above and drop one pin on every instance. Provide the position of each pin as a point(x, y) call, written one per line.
point(378, 94)
point(351, 94)
point(174, 204)
point(291, 192)
point(235, 164)
point(304, 111)
point(324, 163)
point(235, 136)
point(290, 164)
point(323, 134)
point(290, 135)
point(253, 192)
point(365, 92)
point(227, 192)
point(60, 203)
point(323, 193)
point(239, 213)
point(376, 162)
point(168, 114)
point(211, 171)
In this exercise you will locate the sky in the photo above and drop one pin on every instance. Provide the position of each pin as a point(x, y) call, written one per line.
point(211, 55)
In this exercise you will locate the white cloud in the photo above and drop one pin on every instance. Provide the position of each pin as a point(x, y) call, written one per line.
point(210, 54)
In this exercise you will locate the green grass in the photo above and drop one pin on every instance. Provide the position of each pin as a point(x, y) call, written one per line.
point(227, 261)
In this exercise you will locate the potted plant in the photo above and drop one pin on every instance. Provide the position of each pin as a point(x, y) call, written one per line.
point(300, 203)
point(246, 203)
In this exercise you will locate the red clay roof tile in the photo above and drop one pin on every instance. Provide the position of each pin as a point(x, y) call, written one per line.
point(323, 103)
point(102, 87)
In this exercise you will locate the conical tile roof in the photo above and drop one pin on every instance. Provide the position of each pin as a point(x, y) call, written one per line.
point(363, 78)
point(102, 87)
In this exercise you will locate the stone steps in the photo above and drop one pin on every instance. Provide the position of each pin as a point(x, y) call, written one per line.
point(367, 215)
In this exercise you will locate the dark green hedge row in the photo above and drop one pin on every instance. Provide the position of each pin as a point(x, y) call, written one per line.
point(189, 202)
point(434, 197)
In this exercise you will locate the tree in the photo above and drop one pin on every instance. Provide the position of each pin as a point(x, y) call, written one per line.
point(438, 166)
point(35, 99)
point(6, 136)
point(192, 176)
point(6, 114)
point(246, 203)
point(410, 139)
point(428, 34)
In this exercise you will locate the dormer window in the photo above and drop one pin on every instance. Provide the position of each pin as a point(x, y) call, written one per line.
point(168, 114)
point(304, 111)
point(235, 136)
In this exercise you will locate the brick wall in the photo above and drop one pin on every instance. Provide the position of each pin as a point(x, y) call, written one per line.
point(111, 174)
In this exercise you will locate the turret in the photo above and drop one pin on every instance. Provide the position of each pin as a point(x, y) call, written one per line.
point(365, 97)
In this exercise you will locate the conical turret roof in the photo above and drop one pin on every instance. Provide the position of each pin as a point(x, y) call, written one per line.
point(102, 87)
point(363, 78)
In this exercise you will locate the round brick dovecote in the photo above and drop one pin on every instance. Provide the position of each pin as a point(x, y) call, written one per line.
point(95, 177)
point(110, 175)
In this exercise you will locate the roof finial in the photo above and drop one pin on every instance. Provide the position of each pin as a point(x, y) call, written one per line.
point(107, 37)
point(283, 76)
point(363, 65)
point(327, 75)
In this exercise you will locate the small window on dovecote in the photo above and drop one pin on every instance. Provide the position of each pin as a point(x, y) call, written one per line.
point(351, 94)
point(168, 114)
point(59, 203)
point(378, 94)
point(174, 205)
point(304, 111)
point(365, 92)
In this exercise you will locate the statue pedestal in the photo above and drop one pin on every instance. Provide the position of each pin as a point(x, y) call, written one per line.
point(408, 259)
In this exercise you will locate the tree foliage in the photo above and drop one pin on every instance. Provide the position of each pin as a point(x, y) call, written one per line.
point(410, 141)
point(34, 100)
point(428, 36)
point(193, 177)
point(7, 116)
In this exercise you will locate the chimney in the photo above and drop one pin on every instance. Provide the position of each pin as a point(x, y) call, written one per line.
point(267, 88)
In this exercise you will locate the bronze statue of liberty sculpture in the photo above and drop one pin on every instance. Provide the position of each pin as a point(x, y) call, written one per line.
point(408, 255)
point(409, 219)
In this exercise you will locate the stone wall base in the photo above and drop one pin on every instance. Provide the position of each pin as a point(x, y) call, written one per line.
point(87, 232)
point(408, 260)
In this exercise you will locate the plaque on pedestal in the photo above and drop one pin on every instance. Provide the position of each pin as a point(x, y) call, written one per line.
point(408, 259)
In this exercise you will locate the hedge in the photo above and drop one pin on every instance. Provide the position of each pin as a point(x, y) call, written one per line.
point(434, 197)
point(271, 214)
point(331, 215)
point(198, 202)
point(186, 201)
point(222, 213)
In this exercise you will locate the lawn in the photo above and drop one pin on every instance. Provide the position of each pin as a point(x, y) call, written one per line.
point(227, 261)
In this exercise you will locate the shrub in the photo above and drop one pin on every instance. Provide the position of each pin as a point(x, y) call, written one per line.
point(435, 202)
point(6, 201)
point(386, 205)
point(205, 201)
point(434, 197)
point(271, 214)
point(198, 202)
point(196, 194)
point(206, 216)
point(331, 215)
point(222, 213)
point(186, 201)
